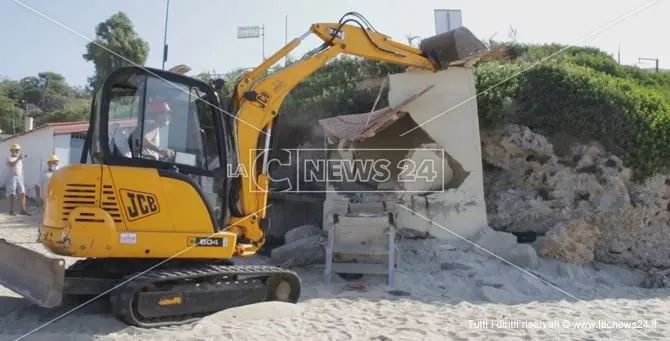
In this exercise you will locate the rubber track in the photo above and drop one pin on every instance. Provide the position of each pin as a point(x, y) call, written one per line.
point(122, 298)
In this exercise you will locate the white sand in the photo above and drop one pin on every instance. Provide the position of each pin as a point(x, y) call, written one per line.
point(442, 305)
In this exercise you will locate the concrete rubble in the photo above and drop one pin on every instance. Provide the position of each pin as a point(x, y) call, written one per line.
point(305, 245)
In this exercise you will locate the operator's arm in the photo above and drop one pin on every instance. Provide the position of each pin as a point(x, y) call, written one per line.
point(150, 127)
point(11, 161)
point(150, 145)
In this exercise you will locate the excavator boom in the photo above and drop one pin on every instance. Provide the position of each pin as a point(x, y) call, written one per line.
point(258, 96)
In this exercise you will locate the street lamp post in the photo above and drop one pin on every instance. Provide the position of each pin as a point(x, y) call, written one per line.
point(165, 46)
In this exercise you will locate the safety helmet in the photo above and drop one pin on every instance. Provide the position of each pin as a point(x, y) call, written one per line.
point(53, 158)
point(158, 105)
point(14, 146)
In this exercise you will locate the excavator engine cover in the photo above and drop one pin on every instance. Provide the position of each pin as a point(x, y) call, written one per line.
point(448, 47)
point(36, 277)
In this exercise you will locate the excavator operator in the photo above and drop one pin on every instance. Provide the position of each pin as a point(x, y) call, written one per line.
point(157, 116)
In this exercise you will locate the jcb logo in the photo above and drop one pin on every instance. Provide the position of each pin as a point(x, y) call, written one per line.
point(262, 99)
point(139, 204)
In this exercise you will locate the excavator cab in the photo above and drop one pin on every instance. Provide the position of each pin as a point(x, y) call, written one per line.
point(149, 118)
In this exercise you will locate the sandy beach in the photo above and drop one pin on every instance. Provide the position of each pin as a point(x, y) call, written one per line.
point(444, 291)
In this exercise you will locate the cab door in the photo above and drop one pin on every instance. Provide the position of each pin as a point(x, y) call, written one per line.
point(158, 134)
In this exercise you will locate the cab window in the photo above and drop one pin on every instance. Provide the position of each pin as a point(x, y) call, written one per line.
point(159, 121)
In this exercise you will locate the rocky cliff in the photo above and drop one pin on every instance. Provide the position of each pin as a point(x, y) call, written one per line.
point(581, 200)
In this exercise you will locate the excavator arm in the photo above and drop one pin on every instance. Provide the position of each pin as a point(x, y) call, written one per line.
point(258, 97)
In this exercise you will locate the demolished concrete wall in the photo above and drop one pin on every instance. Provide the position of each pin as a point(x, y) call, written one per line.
point(449, 206)
point(448, 114)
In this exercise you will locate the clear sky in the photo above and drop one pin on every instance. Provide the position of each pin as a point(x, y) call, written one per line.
point(202, 33)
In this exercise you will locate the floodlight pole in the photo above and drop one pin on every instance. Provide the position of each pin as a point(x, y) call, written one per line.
point(650, 59)
point(260, 34)
point(165, 47)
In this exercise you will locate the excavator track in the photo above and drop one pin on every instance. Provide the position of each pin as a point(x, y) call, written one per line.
point(184, 293)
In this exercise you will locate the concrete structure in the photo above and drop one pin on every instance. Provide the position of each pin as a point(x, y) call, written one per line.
point(448, 108)
point(65, 139)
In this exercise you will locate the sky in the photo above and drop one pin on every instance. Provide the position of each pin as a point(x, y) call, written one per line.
point(203, 33)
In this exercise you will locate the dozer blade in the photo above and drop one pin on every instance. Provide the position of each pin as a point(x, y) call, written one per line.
point(34, 276)
point(448, 47)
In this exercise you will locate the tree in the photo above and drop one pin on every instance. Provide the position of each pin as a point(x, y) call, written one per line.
point(47, 97)
point(8, 112)
point(116, 34)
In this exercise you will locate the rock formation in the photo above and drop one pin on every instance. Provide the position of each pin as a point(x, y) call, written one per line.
point(582, 201)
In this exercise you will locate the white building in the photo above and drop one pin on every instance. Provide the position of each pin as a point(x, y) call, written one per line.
point(64, 139)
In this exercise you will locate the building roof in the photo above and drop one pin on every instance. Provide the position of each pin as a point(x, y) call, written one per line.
point(69, 127)
point(357, 127)
point(60, 128)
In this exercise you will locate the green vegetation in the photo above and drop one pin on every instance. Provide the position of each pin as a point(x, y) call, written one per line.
point(550, 88)
point(583, 92)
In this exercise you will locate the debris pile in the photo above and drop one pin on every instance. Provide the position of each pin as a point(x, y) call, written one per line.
point(581, 202)
point(304, 245)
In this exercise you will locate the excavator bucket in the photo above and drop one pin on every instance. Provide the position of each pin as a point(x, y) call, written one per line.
point(448, 47)
point(34, 276)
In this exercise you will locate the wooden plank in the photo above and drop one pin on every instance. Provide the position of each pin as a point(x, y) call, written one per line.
point(360, 268)
point(367, 207)
point(283, 196)
point(361, 249)
point(373, 220)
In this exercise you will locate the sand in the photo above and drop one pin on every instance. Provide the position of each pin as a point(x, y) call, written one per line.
point(451, 294)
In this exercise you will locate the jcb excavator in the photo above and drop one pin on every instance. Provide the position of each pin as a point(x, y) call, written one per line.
point(153, 210)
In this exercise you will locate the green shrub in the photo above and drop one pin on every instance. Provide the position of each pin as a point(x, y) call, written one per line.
point(497, 87)
point(633, 120)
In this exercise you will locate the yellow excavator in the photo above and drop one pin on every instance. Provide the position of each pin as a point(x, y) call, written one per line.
point(173, 184)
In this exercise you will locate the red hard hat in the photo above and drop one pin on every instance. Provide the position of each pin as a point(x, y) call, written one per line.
point(158, 106)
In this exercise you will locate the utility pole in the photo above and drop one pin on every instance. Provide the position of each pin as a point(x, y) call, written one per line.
point(286, 37)
point(285, 29)
point(263, 40)
point(651, 59)
point(618, 55)
point(165, 46)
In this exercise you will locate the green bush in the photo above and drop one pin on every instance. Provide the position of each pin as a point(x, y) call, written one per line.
point(586, 56)
point(497, 87)
point(589, 102)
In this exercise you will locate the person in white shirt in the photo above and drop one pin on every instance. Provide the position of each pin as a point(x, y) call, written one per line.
point(16, 186)
point(157, 116)
point(41, 189)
